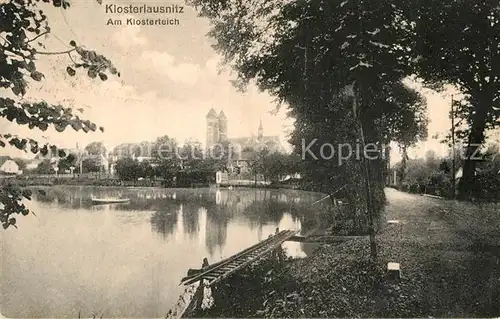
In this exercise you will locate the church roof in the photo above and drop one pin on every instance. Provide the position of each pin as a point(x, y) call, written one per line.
point(243, 156)
point(242, 141)
point(270, 138)
point(222, 115)
point(211, 113)
point(271, 142)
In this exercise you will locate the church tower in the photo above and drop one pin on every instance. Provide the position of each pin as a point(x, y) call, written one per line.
point(222, 127)
point(212, 128)
point(260, 132)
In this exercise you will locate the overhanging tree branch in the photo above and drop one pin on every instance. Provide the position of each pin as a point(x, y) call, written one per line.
point(38, 36)
point(55, 53)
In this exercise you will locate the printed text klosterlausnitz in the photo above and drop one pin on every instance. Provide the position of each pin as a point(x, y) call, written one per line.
point(138, 9)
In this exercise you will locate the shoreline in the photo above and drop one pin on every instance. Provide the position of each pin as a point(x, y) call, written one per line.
point(450, 265)
point(112, 182)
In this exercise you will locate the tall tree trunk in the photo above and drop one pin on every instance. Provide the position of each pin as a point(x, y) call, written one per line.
point(476, 139)
point(404, 161)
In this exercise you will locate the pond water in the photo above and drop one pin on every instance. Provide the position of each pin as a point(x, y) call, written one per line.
point(126, 260)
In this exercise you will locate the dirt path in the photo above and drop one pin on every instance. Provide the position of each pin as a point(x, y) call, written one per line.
point(449, 255)
point(448, 252)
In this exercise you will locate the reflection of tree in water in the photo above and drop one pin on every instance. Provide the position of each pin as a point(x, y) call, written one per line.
point(164, 221)
point(191, 218)
point(167, 209)
point(265, 212)
point(66, 197)
point(270, 208)
point(216, 228)
point(259, 207)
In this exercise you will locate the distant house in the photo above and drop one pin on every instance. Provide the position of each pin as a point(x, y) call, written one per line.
point(241, 159)
point(33, 164)
point(9, 166)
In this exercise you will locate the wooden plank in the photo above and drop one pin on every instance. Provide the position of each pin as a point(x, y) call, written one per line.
point(191, 279)
point(195, 272)
point(219, 263)
point(268, 250)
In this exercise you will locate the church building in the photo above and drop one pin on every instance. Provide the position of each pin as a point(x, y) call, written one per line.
point(243, 147)
point(217, 133)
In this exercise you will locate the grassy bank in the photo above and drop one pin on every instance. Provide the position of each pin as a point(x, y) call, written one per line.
point(449, 254)
point(86, 181)
point(106, 181)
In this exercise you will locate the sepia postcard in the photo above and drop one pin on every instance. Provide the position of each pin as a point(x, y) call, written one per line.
point(249, 158)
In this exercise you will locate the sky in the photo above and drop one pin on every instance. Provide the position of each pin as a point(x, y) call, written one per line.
point(170, 78)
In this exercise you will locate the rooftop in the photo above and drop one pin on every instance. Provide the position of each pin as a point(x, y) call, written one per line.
point(211, 113)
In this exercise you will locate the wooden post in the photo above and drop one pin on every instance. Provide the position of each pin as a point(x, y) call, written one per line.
point(394, 271)
point(279, 250)
point(453, 167)
point(213, 289)
point(199, 301)
point(216, 294)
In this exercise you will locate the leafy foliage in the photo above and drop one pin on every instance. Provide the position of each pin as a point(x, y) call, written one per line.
point(11, 203)
point(67, 162)
point(307, 53)
point(433, 175)
point(22, 24)
point(95, 148)
point(45, 167)
point(91, 165)
point(128, 169)
point(315, 56)
point(457, 42)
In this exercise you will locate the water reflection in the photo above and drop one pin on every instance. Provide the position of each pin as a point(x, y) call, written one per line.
point(200, 214)
point(165, 222)
point(128, 258)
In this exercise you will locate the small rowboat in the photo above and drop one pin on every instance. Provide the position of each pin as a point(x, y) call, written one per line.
point(97, 201)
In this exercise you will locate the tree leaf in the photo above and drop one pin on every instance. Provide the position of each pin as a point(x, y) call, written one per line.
point(92, 73)
point(37, 76)
point(16, 90)
point(30, 67)
point(70, 71)
point(43, 126)
point(103, 76)
point(60, 127)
